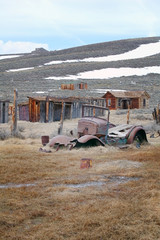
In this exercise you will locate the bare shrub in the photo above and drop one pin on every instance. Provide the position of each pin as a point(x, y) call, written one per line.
point(18, 135)
point(121, 112)
point(21, 128)
point(152, 127)
point(142, 111)
point(34, 136)
point(142, 117)
point(4, 134)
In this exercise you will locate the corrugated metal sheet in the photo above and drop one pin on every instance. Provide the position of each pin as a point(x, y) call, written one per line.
point(4, 109)
point(24, 112)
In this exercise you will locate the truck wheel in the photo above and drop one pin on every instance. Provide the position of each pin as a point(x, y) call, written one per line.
point(139, 139)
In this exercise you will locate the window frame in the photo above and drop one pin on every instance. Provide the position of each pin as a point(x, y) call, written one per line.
point(109, 102)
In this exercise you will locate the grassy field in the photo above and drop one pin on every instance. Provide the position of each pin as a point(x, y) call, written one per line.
point(48, 196)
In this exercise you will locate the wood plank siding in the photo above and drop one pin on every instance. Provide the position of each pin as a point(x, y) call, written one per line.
point(49, 109)
point(135, 103)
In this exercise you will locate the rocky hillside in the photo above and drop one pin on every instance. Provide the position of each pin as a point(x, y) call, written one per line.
point(35, 73)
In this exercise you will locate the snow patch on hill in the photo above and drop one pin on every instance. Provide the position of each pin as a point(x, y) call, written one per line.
point(19, 69)
point(9, 56)
point(107, 73)
point(144, 50)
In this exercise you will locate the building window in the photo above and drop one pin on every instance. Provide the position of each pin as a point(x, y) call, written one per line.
point(109, 102)
point(119, 102)
point(144, 102)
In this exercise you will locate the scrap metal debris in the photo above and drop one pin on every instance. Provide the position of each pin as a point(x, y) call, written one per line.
point(86, 163)
point(60, 140)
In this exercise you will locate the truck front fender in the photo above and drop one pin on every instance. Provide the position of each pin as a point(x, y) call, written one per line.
point(137, 132)
point(88, 141)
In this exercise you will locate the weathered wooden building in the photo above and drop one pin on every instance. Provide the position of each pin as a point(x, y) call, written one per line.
point(4, 109)
point(122, 99)
point(50, 109)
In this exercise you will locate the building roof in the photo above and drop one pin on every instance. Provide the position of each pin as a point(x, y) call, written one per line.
point(127, 94)
point(62, 99)
point(2, 100)
point(23, 104)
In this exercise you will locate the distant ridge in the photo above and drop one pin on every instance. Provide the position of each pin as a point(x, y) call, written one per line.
point(113, 47)
point(31, 73)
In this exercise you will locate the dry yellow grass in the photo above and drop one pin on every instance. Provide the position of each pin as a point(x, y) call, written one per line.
point(53, 207)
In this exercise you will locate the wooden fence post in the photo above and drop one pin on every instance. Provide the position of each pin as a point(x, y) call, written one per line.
point(158, 114)
point(14, 115)
point(94, 112)
point(128, 113)
point(62, 118)
point(47, 109)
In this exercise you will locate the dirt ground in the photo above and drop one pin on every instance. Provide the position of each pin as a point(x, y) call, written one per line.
point(48, 196)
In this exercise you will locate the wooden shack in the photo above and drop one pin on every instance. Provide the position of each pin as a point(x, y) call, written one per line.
point(49, 109)
point(122, 99)
point(4, 109)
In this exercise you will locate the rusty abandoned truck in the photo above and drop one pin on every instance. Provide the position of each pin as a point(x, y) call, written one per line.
point(98, 131)
point(108, 132)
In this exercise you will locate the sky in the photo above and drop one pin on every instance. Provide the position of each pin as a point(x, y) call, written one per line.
point(59, 24)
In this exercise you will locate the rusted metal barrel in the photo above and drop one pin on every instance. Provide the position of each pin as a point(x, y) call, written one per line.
point(86, 163)
point(45, 140)
point(85, 86)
